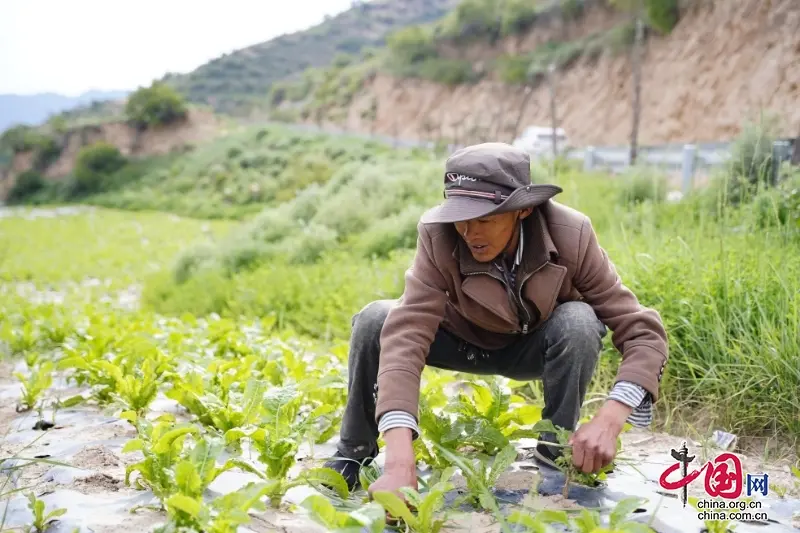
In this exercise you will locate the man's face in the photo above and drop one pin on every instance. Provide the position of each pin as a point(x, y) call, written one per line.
point(490, 236)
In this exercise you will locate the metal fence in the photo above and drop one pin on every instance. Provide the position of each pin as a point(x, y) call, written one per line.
point(687, 161)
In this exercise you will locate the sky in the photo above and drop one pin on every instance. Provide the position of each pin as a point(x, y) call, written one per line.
point(73, 46)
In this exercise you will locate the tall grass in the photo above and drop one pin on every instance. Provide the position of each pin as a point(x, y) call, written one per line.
point(724, 279)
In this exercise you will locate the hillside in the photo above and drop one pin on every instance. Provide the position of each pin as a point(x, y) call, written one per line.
point(724, 62)
point(33, 109)
point(235, 82)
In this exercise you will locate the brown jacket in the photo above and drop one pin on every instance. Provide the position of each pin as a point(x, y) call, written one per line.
point(562, 261)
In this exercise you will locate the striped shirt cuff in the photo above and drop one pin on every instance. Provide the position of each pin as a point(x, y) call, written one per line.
point(636, 397)
point(398, 419)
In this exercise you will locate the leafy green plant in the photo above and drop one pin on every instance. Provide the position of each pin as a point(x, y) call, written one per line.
point(39, 380)
point(481, 477)
point(489, 421)
point(156, 105)
point(162, 444)
point(94, 164)
point(584, 522)
point(428, 518)
point(564, 461)
point(41, 521)
point(371, 516)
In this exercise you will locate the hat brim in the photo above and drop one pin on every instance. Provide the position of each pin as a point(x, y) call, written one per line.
point(460, 208)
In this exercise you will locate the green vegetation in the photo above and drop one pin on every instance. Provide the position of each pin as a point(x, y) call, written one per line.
point(245, 324)
point(94, 165)
point(416, 51)
point(239, 82)
point(157, 105)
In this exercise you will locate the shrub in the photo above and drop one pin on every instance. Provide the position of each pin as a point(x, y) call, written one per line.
point(27, 184)
point(342, 60)
point(662, 14)
point(473, 19)
point(46, 153)
point(411, 45)
point(156, 105)
point(94, 164)
point(751, 153)
point(517, 16)
point(643, 184)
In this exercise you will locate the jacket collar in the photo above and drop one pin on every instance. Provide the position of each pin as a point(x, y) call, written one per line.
point(538, 249)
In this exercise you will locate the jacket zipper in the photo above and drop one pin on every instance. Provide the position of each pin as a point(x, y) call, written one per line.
point(528, 316)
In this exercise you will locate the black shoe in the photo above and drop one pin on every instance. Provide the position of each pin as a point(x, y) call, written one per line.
point(546, 455)
point(349, 468)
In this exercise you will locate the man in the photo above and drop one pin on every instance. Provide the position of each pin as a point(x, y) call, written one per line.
point(505, 281)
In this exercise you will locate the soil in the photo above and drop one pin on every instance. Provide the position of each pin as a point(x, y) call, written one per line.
point(725, 62)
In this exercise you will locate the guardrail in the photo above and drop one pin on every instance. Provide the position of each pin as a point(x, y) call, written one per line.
point(687, 160)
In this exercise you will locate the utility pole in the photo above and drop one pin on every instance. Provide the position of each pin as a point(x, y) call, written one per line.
point(636, 68)
point(553, 120)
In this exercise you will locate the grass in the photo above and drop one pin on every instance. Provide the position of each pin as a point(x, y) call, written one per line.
point(97, 243)
point(725, 284)
point(271, 297)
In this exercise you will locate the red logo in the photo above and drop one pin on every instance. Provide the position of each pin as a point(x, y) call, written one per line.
point(723, 474)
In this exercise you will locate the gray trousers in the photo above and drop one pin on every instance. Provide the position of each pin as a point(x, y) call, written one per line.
point(562, 352)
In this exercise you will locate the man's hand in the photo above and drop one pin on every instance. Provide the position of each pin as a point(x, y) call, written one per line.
point(594, 444)
point(400, 469)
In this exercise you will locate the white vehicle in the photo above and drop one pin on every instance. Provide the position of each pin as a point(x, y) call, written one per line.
point(538, 141)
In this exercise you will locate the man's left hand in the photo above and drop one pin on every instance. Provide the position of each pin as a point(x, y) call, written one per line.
point(594, 444)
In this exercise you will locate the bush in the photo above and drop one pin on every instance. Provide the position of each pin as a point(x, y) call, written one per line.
point(662, 14)
point(751, 164)
point(473, 19)
point(517, 16)
point(642, 184)
point(93, 166)
point(27, 184)
point(411, 45)
point(156, 105)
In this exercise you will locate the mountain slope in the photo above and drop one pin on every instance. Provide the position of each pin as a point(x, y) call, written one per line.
point(34, 109)
point(234, 82)
point(724, 63)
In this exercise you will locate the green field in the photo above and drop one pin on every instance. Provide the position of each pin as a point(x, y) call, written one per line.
point(244, 323)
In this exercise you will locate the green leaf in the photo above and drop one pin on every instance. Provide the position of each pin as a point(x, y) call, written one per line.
point(187, 478)
point(204, 459)
point(412, 497)
point(330, 477)
point(622, 510)
point(529, 414)
point(395, 506)
point(133, 445)
point(164, 444)
point(372, 515)
point(73, 401)
point(431, 504)
point(321, 511)
point(501, 462)
point(586, 522)
point(190, 506)
point(544, 426)
point(634, 527)
point(531, 524)
point(551, 516)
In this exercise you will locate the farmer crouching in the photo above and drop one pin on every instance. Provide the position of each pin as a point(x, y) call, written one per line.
point(505, 281)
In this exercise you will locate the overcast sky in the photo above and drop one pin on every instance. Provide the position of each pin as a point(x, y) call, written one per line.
point(76, 45)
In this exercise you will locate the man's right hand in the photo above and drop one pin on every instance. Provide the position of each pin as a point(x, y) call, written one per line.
point(400, 468)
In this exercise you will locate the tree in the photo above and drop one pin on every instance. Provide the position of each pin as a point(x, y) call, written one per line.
point(636, 68)
point(156, 105)
point(636, 8)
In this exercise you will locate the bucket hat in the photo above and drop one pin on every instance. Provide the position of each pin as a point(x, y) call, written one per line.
point(487, 179)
